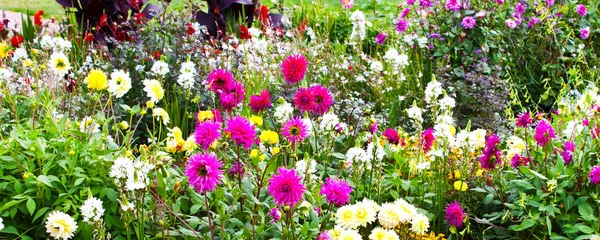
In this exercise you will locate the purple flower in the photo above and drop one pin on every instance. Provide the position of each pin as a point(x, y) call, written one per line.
point(518, 160)
point(323, 236)
point(207, 133)
point(237, 169)
point(404, 12)
point(304, 100)
point(434, 35)
point(260, 102)
point(549, 3)
point(534, 21)
point(402, 25)
point(427, 139)
point(567, 153)
point(519, 9)
point(455, 214)
point(294, 130)
point(468, 22)
point(242, 131)
point(511, 23)
point(275, 214)
point(524, 120)
point(500, 2)
point(581, 10)
point(595, 175)
point(347, 4)
point(322, 99)
point(336, 191)
point(286, 187)
point(380, 39)
point(392, 135)
point(544, 133)
point(491, 154)
point(584, 33)
point(453, 5)
point(425, 3)
point(203, 171)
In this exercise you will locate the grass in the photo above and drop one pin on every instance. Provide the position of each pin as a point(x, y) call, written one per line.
point(50, 7)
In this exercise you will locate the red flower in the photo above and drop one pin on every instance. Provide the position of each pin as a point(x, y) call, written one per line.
point(103, 20)
point(156, 55)
point(37, 18)
point(139, 18)
point(16, 40)
point(244, 34)
point(264, 14)
point(1, 26)
point(190, 29)
point(89, 37)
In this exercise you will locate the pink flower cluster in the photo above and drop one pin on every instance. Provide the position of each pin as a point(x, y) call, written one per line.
point(491, 154)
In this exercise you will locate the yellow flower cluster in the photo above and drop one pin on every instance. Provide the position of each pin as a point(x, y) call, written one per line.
point(176, 143)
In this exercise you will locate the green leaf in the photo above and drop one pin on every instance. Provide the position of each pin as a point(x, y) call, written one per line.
point(338, 155)
point(524, 225)
point(585, 229)
point(39, 213)
point(585, 211)
point(45, 180)
point(31, 206)
point(10, 204)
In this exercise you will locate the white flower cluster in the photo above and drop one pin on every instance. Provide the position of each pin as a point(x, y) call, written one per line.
point(329, 121)
point(433, 91)
point(309, 168)
point(134, 173)
point(415, 113)
point(92, 210)
point(396, 60)
point(57, 44)
point(187, 75)
point(359, 25)
point(283, 112)
point(160, 68)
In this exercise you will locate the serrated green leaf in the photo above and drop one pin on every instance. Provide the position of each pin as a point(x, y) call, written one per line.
point(524, 225)
point(30, 206)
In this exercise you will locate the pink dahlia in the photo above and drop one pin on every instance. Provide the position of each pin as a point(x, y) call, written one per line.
point(427, 139)
point(584, 32)
point(524, 120)
point(207, 133)
point(402, 25)
point(260, 102)
point(468, 22)
point(392, 136)
point(219, 79)
point(404, 12)
point(380, 39)
point(518, 160)
point(242, 131)
point(544, 133)
point(453, 5)
point(293, 68)
point(581, 10)
point(347, 4)
point(455, 214)
point(203, 171)
point(567, 153)
point(237, 169)
point(294, 130)
point(304, 100)
point(491, 155)
point(336, 191)
point(286, 187)
point(275, 214)
point(519, 9)
point(323, 236)
point(322, 99)
point(595, 175)
point(233, 96)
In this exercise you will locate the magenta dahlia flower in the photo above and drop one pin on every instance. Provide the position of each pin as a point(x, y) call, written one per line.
point(544, 133)
point(286, 187)
point(392, 135)
point(455, 214)
point(237, 169)
point(207, 133)
point(595, 175)
point(581, 10)
point(524, 120)
point(322, 99)
point(404, 12)
point(427, 140)
point(425, 3)
point(323, 236)
point(402, 25)
point(293, 68)
point(304, 100)
point(260, 102)
point(584, 32)
point(518, 160)
point(453, 5)
point(567, 153)
point(380, 39)
point(468, 22)
point(491, 155)
point(203, 171)
point(275, 214)
point(519, 9)
point(294, 130)
point(347, 4)
point(233, 96)
point(336, 191)
point(219, 80)
point(242, 131)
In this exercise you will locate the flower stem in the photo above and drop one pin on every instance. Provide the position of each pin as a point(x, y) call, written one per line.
point(212, 235)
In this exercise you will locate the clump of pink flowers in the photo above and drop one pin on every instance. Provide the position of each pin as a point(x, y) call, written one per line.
point(203, 171)
point(293, 68)
point(336, 191)
point(427, 140)
point(455, 215)
point(491, 154)
point(544, 133)
point(286, 187)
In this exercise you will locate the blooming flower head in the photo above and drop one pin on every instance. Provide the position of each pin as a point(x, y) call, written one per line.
point(595, 175)
point(295, 130)
point(119, 83)
point(419, 224)
point(346, 217)
point(380, 39)
point(491, 154)
point(59, 63)
point(233, 96)
point(219, 80)
point(37, 18)
point(468, 22)
point(427, 139)
point(323, 236)
point(275, 214)
point(92, 210)
point(203, 172)
point(389, 215)
point(260, 102)
point(401, 25)
point(237, 169)
point(584, 32)
point(154, 90)
point(524, 120)
point(455, 214)
point(581, 10)
point(160, 113)
point(269, 137)
point(519, 9)
point(453, 5)
point(304, 100)
point(544, 133)
point(207, 133)
point(60, 225)
point(510, 23)
point(567, 153)
point(518, 160)
point(286, 187)
point(336, 191)
point(392, 136)
point(97, 80)
point(293, 68)
point(347, 4)
point(322, 99)
point(405, 12)
point(242, 131)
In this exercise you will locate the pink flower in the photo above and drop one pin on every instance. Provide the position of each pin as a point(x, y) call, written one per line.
point(304, 100)
point(427, 139)
point(453, 5)
point(294, 130)
point(404, 12)
point(293, 68)
point(242, 131)
point(322, 99)
point(392, 135)
point(455, 214)
point(203, 172)
point(347, 4)
point(544, 133)
point(219, 79)
point(207, 133)
point(524, 120)
point(468, 22)
point(595, 175)
point(275, 214)
point(402, 25)
point(519, 9)
point(286, 187)
point(491, 155)
point(518, 160)
point(336, 191)
point(567, 153)
point(260, 102)
point(511, 23)
point(584, 33)
point(500, 2)
point(581, 10)
point(380, 39)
